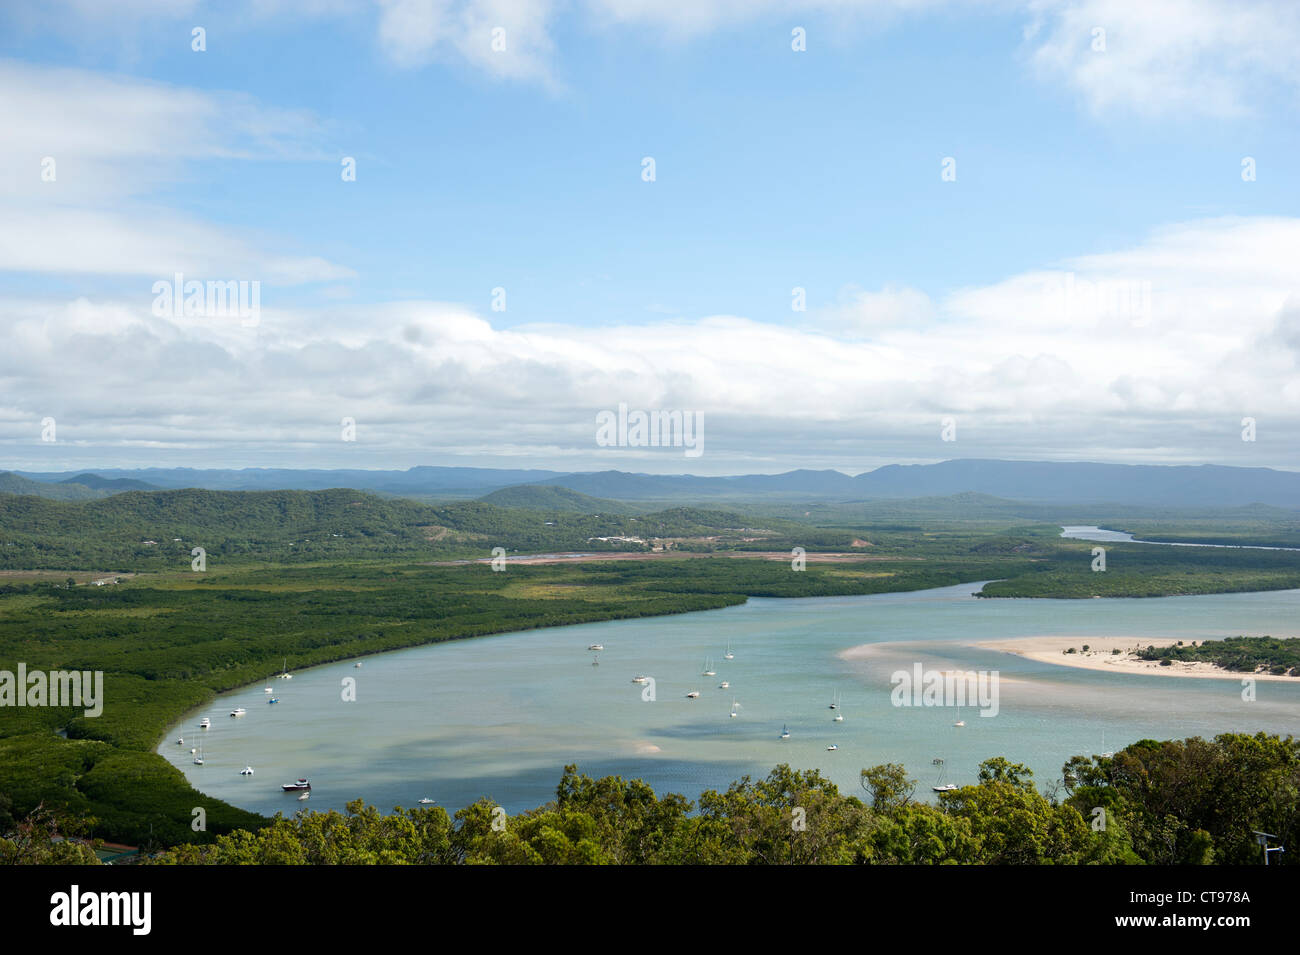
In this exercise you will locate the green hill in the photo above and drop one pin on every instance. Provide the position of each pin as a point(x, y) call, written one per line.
point(549, 497)
point(11, 483)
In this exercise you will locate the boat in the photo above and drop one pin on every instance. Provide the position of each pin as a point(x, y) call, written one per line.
point(193, 750)
point(198, 760)
point(831, 748)
point(426, 801)
point(357, 665)
point(640, 679)
point(785, 731)
point(204, 723)
point(246, 771)
point(708, 668)
point(285, 674)
point(1105, 755)
point(179, 741)
point(238, 711)
point(837, 718)
point(274, 699)
point(835, 701)
point(297, 786)
point(939, 785)
point(596, 646)
point(595, 660)
point(693, 695)
point(960, 721)
point(304, 796)
point(728, 655)
point(724, 685)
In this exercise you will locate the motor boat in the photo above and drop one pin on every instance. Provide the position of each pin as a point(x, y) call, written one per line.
point(693, 695)
point(238, 711)
point(274, 699)
point(785, 732)
point(640, 679)
point(246, 771)
point(297, 786)
point(596, 646)
point(831, 748)
point(426, 801)
point(204, 723)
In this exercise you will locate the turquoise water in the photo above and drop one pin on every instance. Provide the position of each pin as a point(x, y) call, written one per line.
point(500, 716)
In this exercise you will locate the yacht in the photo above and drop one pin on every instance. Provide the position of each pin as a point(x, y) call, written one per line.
point(204, 723)
point(198, 760)
point(304, 797)
point(708, 668)
point(728, 655)
point(285, 674)
point(640, 679)
point(180, 741)
point(939, 785)
point(837, 718)
point(357, 665)
point(831, 748)
point(960, 721)
point(274, 699)
point(835, 701)
point(724, 685)
point(298, 786)
point(734, 707)
point(693, 695)
point(596, 647)
point(426, 801)
point(238, 711)
point(246, 771)
point(785, 731)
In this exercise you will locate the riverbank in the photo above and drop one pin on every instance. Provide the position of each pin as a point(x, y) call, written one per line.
point(1114, 655)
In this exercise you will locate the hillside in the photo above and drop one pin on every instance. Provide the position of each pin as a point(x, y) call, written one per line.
point(548, 497)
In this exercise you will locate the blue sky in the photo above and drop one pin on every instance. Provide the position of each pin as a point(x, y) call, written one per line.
point(774, 169)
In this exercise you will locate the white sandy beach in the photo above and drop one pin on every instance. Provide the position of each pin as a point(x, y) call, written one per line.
point(1100, 656)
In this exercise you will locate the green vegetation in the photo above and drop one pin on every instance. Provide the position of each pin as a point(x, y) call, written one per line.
point(322, 576)
point(1241, 654)
point(1165, 803)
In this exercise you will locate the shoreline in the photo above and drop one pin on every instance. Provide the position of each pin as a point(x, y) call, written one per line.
point(1101, 656)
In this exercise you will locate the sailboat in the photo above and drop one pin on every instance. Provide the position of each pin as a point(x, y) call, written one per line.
point(1105, 755)
point(960, 721)
point(837, 718)
point(733, 707)
point(595, 659)
point(728, 655)
point(835, 700)
point(939, 785)
point(198, 760)
point(708, 667)
point(785, 731)
point(285, 674)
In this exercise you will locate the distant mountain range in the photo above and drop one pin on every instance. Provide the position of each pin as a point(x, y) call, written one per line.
point(1200, 486)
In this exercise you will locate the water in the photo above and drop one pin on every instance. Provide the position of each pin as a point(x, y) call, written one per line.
point(1088, 532)
point(500, 716)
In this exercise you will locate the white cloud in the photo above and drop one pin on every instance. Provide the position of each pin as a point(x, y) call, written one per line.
point(1168, 57)
point(1025, 373)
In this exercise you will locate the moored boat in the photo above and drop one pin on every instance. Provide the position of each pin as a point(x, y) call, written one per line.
point(297, 786)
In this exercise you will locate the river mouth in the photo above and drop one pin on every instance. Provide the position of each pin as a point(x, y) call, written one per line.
point(501, 716)
point(1090, 532)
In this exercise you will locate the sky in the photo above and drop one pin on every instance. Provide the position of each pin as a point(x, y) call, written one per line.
point(837, 234)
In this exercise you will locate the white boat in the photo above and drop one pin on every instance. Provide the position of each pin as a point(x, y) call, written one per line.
point(835, 701)
point(193, 750)
point(939, 785)
point(708, 668)
point(304, 797)
point(831, 748)
point(596, 646)
point(204, 723)
point(426, 801)
point(297, 786)
point(724, 685)
point(640, 679)
point(785, 731)
point(837, 718)
point(595, 660)
point(246, 771)
point(285, 674)
point(238, 711)
point(728, 655)
point(198, 760)
point(960, 721)
point(179, 741)
point(693, 695)
point(357, 665)
point(1105, 755)
point(734, 706)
